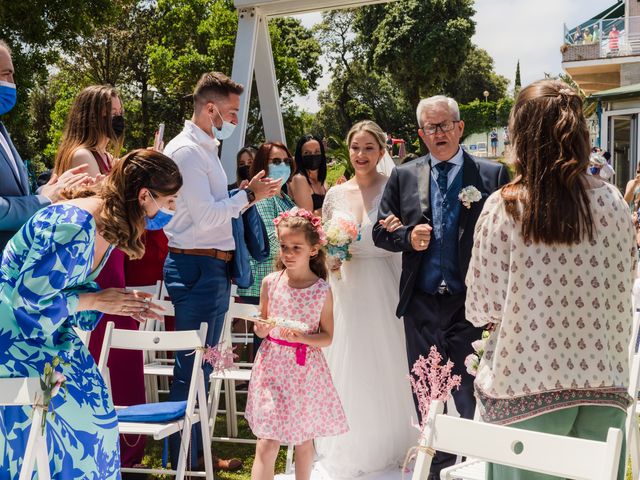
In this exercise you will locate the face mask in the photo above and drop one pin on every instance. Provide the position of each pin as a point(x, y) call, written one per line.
point(243, 172)
point(7, 96)
point(160, 219)
point(311, 162)
point(282, 172)
point(226, 130)
point(117, 124)
point(594, 170)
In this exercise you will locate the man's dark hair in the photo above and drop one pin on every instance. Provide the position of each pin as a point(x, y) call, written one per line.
point(214, 86)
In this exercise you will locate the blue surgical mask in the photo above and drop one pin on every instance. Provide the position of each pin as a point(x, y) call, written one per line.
point(594, 170)
point(160, 219)
point(7, 96)
point(226, 130)
point(282, 172)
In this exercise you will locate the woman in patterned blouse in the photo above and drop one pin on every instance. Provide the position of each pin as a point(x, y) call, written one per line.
point(551, 275)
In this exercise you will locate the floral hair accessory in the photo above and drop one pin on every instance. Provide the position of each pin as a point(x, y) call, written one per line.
point(315, 221)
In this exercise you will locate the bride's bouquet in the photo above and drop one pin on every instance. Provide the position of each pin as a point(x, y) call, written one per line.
point(341, 232)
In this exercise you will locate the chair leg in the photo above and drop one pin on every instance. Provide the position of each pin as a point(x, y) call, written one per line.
point(233, 408)
point(185, 444)
point(215, 386)
point(227, 405)
point(42, 459)
point(288, 469)
point(206, 438)
point(33, 444)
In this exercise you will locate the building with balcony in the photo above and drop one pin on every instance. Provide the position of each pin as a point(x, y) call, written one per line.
point(602, 55)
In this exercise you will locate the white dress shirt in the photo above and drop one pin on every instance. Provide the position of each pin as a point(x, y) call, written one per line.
point(7, 150)
point(457, 161)
point(203, 209)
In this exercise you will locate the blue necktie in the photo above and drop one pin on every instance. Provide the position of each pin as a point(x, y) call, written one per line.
point(443, 176)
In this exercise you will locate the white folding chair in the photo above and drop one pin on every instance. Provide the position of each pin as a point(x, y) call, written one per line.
point(633, 433)
point(241, 371)
point(157, 367)
point(18, 392)
point(538, 452)
point(196, 404)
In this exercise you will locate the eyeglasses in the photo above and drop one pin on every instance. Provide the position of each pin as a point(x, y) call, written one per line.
point(446, 126)
point(278, 161)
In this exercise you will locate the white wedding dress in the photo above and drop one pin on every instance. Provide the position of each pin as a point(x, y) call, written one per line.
point(367, 358)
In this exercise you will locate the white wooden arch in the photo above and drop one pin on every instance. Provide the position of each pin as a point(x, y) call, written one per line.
point(253, 54)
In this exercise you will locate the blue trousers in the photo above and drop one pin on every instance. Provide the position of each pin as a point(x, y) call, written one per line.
point(199, 288)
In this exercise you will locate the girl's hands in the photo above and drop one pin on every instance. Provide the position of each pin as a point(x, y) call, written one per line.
point(262, 329)
point(292, 335)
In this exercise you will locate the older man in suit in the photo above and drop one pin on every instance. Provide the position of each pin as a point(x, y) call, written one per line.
point(17, 204)
point(422, 215)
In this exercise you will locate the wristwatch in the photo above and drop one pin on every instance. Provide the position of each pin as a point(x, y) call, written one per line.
point(250, 195)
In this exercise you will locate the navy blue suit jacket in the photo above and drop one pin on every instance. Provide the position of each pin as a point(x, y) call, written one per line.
point(17, 204)
point(407, 196)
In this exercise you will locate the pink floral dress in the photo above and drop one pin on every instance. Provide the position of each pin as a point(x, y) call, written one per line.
point(289, 402)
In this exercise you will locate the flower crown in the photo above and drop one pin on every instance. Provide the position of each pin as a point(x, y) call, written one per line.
point(316, 222)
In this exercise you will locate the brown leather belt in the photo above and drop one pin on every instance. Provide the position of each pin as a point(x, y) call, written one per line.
point(205, 252)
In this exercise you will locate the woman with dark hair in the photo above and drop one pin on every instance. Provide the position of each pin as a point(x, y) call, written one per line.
point(95, 125)
point(308, 186)
point(47, 289)
point(274, 158)
point(244, 160)
point(551, 277)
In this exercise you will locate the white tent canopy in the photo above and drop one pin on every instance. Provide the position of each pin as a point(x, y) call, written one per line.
point(253, 54)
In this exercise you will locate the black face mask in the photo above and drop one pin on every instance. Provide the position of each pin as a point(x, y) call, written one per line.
point(243, 172)
point(117, 124)
point(311, 162)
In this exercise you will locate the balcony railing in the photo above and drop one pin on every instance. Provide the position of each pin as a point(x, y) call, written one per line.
point(605, 38)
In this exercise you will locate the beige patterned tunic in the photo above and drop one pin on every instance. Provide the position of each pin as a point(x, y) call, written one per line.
point(563, 313)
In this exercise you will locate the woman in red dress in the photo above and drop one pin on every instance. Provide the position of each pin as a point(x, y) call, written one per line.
point(95, 123)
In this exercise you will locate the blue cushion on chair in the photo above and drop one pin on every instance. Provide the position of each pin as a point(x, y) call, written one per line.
point(153, 412)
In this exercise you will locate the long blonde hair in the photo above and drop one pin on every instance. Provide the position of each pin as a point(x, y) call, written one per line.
point(122, 218)
point(87, 124)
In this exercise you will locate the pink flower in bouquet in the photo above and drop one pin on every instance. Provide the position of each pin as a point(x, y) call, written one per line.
point(57, 380)
point(350, 228)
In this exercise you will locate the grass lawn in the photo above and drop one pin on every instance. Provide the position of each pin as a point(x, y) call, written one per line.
point(243, 451)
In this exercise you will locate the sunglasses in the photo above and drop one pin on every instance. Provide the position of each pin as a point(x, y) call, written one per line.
point(278, 161)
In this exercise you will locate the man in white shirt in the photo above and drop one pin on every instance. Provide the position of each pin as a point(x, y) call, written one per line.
point(201, 243)
point(17, 204)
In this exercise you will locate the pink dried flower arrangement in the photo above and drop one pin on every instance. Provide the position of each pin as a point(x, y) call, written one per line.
point(432, 381)
point(221, 358)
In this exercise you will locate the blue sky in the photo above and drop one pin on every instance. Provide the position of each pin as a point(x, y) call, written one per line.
point(529, 30)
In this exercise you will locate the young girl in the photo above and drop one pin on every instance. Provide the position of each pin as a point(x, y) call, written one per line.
point(291, 398)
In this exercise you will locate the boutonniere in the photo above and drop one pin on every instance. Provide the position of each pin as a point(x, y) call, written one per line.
point(469, 195)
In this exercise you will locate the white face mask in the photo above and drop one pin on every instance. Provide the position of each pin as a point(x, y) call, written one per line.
point(226, 130)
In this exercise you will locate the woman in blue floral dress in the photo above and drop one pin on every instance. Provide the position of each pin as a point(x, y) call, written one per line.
point(47, 288)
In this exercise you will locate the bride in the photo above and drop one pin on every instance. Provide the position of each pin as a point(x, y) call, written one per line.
point(368, 357)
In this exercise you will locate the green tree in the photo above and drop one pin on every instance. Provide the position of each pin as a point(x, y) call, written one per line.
point(518, 82)
point(477, 75)
point(199, 36)
point(420, 43)
point(37, 31)
point(480, 116)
